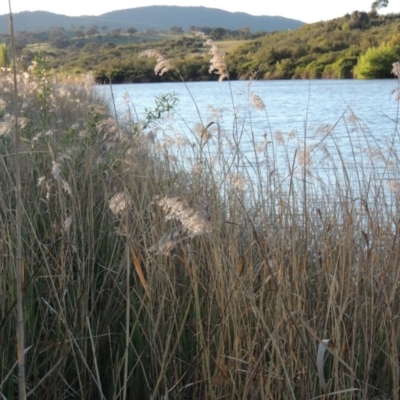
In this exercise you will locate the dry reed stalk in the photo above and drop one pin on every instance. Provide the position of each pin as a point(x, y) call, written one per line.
point(19, 267)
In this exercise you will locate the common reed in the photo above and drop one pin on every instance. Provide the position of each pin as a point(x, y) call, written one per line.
point(151, 275)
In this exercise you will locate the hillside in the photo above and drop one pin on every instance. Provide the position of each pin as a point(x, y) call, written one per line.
point(357, 45)
point(152, 17)
point(330, 49)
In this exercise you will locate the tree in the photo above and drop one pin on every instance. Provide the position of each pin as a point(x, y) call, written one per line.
point(58, 37)
point(93, 30)
point(176, 30)
point(359, 20)
point(377, 4)
point(131, 31)
point(218, 33)
point(244, 32)
point(116, 32)
point(80, 33)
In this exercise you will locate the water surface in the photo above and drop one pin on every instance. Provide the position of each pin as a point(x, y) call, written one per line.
point(334, 125)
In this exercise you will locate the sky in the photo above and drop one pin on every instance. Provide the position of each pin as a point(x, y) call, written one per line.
point(304, 10)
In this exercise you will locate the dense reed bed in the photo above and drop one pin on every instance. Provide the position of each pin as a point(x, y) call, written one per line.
point(159, 271)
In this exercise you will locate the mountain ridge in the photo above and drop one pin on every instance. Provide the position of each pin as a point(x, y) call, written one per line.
point(152, 17)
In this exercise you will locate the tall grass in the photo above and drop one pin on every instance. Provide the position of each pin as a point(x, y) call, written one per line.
point(151, 276)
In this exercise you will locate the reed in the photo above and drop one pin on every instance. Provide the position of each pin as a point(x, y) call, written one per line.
point(179, 268)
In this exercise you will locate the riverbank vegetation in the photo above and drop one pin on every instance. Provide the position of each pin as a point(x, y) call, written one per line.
point(163, 266)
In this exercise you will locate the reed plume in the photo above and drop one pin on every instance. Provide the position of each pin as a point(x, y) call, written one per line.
point(193, 222)
point(163, 64)
point(217, 62)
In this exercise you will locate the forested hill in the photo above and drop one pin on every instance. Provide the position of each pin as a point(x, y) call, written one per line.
point(360, 44)
point(152, 17)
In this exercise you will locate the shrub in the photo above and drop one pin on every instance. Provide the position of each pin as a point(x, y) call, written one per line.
point(376, 62)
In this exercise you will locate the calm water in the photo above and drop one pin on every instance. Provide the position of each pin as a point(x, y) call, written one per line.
point(290, 104)
point(336, 121)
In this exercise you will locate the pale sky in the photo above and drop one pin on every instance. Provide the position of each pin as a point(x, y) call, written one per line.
point(303, 10)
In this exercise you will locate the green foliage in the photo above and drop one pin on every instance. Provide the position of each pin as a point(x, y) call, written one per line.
point(303, 53)
point(377, 4)
point(43, 74)
point(345, 26)
point(195, 68)
point(376, 62)
point(341, 69)
point(4, 60)
point(165, 103)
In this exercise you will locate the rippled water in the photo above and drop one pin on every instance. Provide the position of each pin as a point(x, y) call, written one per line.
point(329, 123)
point(290, 104)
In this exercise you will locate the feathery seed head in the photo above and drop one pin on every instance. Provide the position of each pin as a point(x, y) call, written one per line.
point(396, 69)
point(67, 224)
point(203, 132)
point(304, 158)
point(238, 181)
point(217, 62)
point(66, 187)
point(163, 64)
point(394, 186)
point(55, 170)
point(257, 102)
point(197, 169)
point(193, 222)
point(7, 125)
point(119, 202)
point(278, 136)
point(41, 180)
